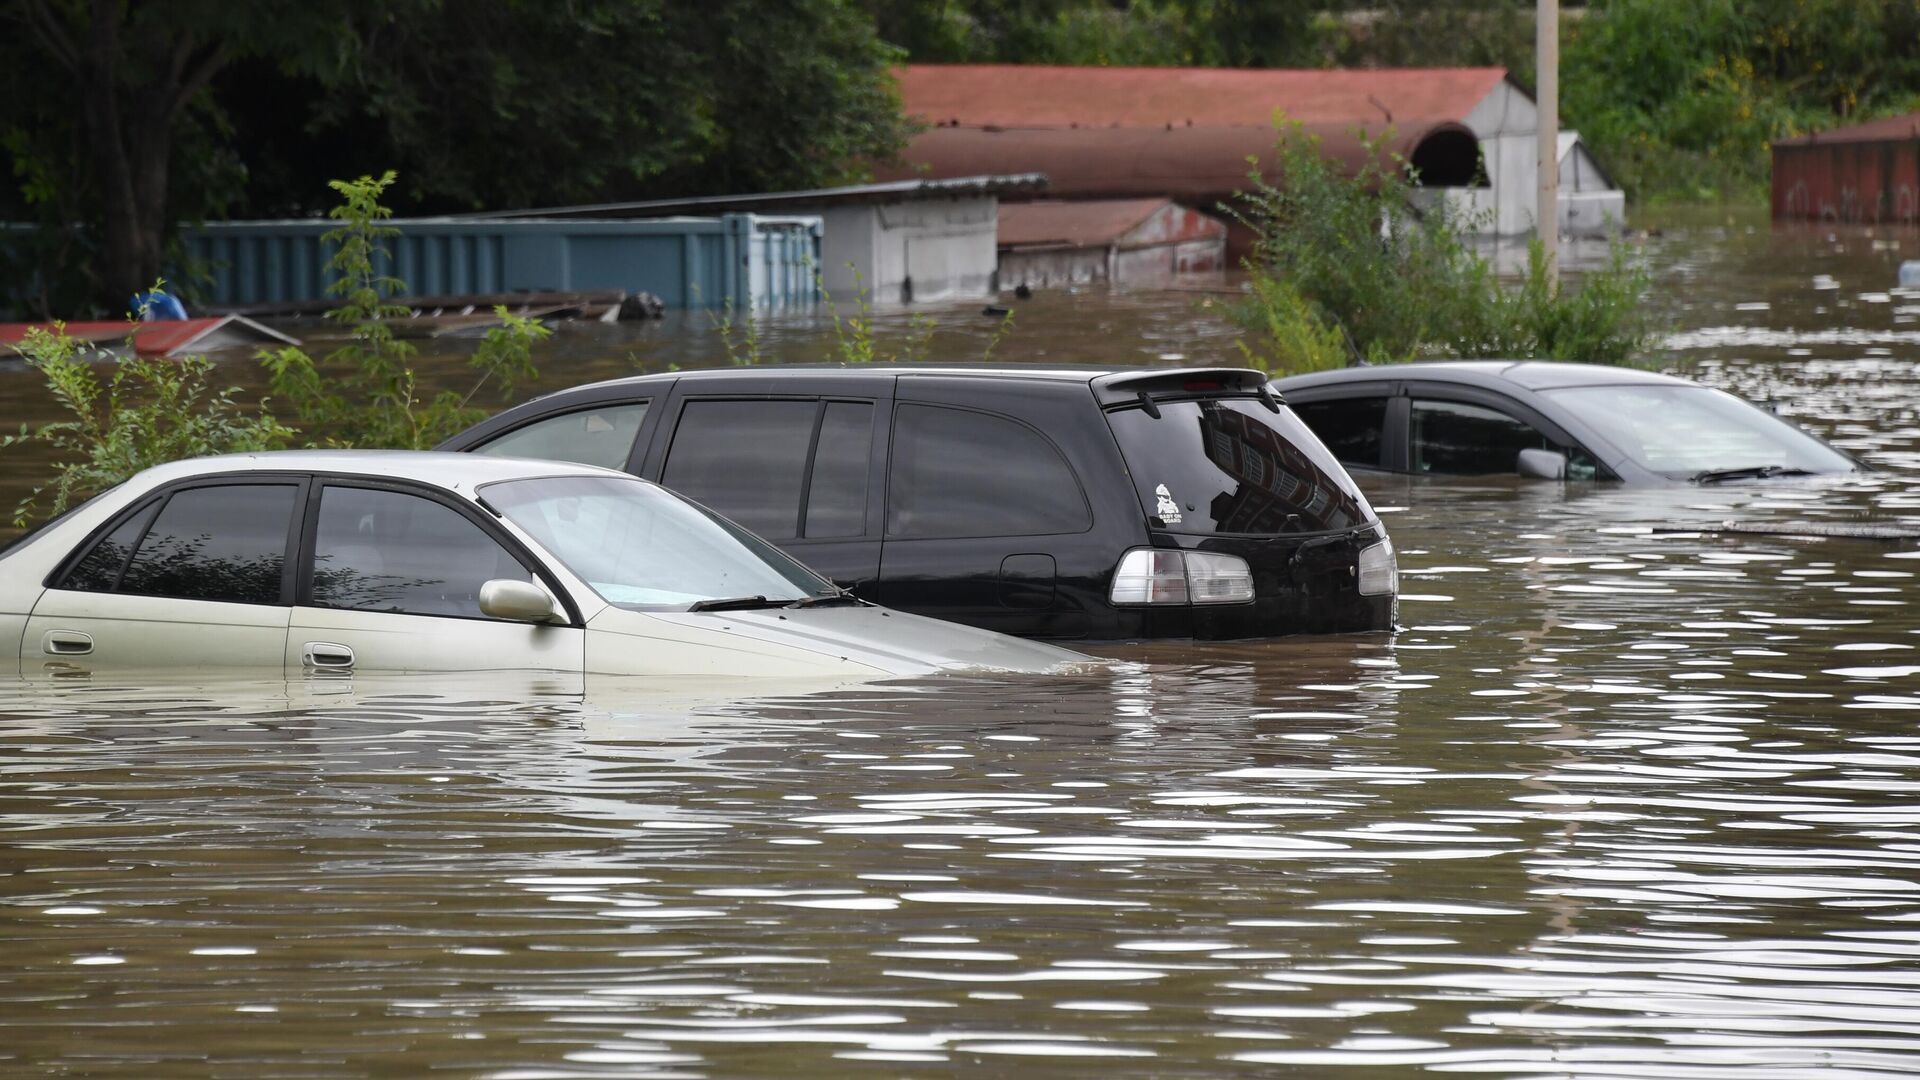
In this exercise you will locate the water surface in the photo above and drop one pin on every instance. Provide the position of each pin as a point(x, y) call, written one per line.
point(1627, 796)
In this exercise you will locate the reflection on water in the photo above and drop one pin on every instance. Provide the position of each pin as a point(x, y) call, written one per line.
point(1625, 797)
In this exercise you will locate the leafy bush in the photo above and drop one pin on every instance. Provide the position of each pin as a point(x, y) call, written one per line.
point(1681, 97)
point(365, 392)
point(152, 410)
point(146, 412)
point(1371, 267)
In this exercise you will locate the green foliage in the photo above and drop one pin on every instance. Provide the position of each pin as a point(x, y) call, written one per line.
point(1437, 33)
point(1289, 334)
point(125, 119)
point(148, 411)
point(1369, 265)
point(365, 393)
point(1680, 98)
point(1227, 33)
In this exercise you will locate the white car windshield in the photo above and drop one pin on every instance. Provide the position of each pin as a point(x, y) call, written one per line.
point(640, 546)
point(1688, 431)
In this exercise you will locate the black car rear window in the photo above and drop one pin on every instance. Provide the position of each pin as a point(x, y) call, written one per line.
point(1231, 465)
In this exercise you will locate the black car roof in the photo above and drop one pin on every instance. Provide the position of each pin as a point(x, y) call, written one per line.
point(1069, 373)
point(1491, 374)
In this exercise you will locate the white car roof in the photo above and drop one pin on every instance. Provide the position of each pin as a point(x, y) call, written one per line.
point(457, 472)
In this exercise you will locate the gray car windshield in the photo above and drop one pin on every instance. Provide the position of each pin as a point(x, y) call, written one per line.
point(643, 547)
point(1232, 465)
point(1683, 431)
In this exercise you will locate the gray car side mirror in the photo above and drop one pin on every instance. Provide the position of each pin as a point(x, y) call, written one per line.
point(521, 601)
point(1542, 465)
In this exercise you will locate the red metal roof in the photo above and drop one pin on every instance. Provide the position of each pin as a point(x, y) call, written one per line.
point(1096, 223)
point(161, 338)
point(1185, 133)
point(1018, 95)
point(1892, 129)
point(1197, 165)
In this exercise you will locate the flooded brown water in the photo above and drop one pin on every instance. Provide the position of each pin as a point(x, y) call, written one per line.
point(1625, 797)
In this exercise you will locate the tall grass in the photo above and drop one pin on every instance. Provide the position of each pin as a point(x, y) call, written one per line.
point(1365, 267)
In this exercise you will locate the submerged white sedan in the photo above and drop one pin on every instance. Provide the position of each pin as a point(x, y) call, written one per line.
point(412, 561)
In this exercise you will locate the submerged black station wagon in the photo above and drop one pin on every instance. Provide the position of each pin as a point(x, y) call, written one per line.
point(1081, 504)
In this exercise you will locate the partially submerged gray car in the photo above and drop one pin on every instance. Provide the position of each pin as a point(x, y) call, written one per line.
point(321, 561)
point(1550, 420)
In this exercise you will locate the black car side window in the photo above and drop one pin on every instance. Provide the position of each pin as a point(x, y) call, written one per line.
point(1350, 427)
point(226, 543)
point(837, 485)
point(958, 473)
point(1452, 437)
point(99, 570)
point(376, 550)
point(746, 459)
point(601, 436)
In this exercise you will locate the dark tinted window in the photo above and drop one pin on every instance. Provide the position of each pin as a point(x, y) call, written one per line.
point(1468, 440)
point(960, 473)
point(224, 543)
point(745, 459)
point(591, 437)
point(390, 551)
point(100, 570)
point(837, 492)
point(1231, 465)
point(1350, 427)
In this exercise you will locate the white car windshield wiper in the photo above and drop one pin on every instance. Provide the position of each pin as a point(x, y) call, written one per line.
point(1750, 472)
point(735, 603)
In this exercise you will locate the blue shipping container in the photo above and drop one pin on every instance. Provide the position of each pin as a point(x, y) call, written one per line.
point(746, 261)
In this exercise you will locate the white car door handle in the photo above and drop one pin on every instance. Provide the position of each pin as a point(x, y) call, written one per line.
point(326, 656)
point(67, 643)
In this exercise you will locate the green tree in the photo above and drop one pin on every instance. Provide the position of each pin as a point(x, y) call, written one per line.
point(1682, 97)
point(1204, 33)
point(109, 120)
point(1370, 262)
point(126, 118)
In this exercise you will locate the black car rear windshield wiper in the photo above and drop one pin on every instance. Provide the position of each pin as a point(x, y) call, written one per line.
point(1751, 472)
point(735, 603)
point(842, 597)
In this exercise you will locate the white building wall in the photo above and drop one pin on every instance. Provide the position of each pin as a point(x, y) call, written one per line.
point(917, 250)
point(1507, 123)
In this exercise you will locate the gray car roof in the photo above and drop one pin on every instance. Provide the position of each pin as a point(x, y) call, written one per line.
point(1493, 374)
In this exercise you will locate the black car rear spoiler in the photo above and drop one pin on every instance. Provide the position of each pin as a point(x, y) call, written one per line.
point(1164, 384)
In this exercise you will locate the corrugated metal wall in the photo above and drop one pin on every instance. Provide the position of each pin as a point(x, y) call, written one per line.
point(1857, 181)
point(743, 260)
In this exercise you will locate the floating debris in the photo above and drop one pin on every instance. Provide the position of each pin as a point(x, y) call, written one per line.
point(1809, 530)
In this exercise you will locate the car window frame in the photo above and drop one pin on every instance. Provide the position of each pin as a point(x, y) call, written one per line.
point(1514, 407)
point(480, 517)
point(1390, 414)
point(872, 525)
point(628, 461)
point(893, 445)
point(153, 503)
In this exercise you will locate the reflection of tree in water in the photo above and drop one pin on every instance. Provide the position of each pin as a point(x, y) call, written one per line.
point(173, 565)
point(101, 568)
point(350, 587)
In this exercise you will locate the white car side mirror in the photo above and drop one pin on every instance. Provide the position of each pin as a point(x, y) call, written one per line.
point(521, 601)
point(1542, 465)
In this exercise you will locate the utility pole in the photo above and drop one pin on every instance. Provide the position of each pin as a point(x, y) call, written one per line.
point(1546, 217)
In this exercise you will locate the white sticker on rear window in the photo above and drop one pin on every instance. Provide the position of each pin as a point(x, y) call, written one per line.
point(1166, 509)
